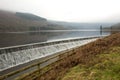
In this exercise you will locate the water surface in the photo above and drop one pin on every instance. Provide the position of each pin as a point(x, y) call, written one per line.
point(20, 38)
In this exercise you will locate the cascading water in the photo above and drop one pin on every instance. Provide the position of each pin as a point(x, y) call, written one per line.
point(10, 57)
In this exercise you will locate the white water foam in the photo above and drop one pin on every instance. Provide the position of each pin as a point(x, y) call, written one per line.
point(11, 59)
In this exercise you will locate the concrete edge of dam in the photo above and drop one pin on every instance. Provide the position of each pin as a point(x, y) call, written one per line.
point(53, 57)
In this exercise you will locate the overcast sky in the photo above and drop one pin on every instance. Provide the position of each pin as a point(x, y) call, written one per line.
point(68, 10)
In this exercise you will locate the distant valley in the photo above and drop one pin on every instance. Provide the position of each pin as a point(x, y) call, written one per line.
point(79, 25)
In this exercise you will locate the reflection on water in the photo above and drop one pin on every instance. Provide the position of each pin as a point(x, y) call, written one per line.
point(20, 38)
point(74, 34)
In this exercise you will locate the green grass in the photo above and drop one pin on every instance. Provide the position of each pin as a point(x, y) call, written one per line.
point(105, 66)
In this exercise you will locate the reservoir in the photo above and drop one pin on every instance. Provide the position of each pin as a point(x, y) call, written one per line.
point(20, 38)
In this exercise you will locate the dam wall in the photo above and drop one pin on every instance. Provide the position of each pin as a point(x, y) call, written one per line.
point(17, 60)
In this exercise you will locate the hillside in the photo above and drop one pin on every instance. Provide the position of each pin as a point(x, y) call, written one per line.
point(102, 61)
point(98, 60)
point(17, 21)
point(116, 26)
point(104, 66)
point(113, 29)
point(79, 25)
point(29, 16)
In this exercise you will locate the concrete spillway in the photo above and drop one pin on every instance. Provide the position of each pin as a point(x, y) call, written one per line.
point(16, 55)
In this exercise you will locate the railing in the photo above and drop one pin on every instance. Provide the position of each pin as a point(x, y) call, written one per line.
point(37, 67)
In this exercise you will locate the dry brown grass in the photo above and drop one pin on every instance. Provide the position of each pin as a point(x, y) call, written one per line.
point(82, 55)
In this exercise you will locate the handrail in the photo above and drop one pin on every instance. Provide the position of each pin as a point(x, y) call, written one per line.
point(30, 66)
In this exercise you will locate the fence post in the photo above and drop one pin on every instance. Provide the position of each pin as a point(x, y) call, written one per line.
point(39, 68)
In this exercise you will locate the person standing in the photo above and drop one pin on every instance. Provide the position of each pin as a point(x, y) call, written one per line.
point(101, 30)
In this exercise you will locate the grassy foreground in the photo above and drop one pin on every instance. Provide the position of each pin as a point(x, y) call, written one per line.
point(99, 60)
point(105, 66)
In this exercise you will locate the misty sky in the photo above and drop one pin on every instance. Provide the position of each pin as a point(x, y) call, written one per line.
point(68, 10)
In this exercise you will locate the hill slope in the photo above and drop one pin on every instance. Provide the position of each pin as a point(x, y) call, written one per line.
point(104, 66)
point(113, 29)
point(16, 21)
point(89, 54)
point(29, 16)
point(116, 26)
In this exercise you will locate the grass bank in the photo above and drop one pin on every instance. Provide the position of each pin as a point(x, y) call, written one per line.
point(84, 57)
point(104, 66)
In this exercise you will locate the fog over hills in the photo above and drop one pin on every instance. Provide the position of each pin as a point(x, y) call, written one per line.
point(29, 16)
point(79, 25)
point(18, 21)
point(117, 25)
point(115, 28)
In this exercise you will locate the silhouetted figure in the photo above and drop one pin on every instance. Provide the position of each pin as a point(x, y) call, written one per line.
point(101, 30)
